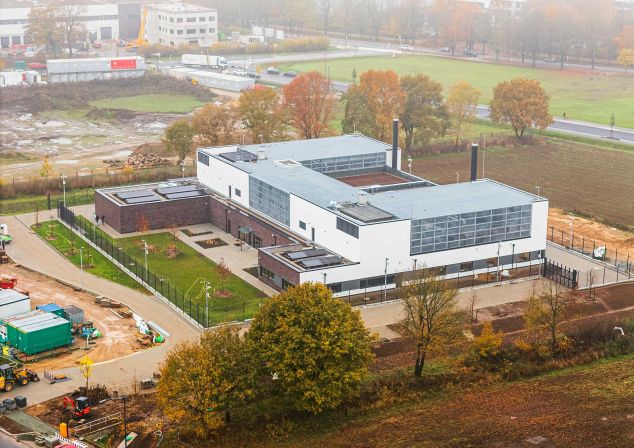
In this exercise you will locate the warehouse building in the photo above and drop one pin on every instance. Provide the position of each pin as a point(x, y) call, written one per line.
point(91, 69)
point(175, 24)
point(211, 79)
point(339, 210)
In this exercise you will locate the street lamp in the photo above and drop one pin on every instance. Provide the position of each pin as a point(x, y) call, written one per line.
point(81, 266)
point(409, 164)
point(125, 422)
point(571, 230)
point(457, 177)
point(513, 257)
point(497, 271)
point(145, 257)
point(385, 281)
point(64, 187)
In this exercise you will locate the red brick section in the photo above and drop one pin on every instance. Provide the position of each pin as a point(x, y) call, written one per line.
point(278, 267)
point(159, 215)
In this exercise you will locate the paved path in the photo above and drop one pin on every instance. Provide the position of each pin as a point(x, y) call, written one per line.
point(29, 250)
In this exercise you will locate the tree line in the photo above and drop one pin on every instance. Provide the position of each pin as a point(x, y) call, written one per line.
point(560, 29)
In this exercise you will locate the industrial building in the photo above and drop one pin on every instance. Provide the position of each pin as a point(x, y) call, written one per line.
point(339, 210)
point(90, 69)
point(175, 24)
point(211, 79)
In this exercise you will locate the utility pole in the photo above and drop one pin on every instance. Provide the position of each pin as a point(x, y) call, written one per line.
point(385, 281)
point(145, 257)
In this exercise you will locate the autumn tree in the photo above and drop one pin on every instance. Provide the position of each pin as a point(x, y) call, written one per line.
point(46, 169)
point(202, 381)
point(223, 272)
point(488, 345)
point(625, 39)
point(626, 58)
point(71, 25)
point(263, 115)
point(375, 101)
point(309, 102)
point(431, 315)
point(43, 28)
point(461, 103)
point(179, 138)
point(521, 102)
point(423, 114)
point(312, 349)
point(215, 124)
point(556, 300)
point(142, 224)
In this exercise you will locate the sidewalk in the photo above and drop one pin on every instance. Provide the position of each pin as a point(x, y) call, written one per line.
point(30, 251)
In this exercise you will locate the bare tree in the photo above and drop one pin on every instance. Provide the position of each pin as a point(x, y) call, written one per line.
point(556, 300)
point(71, 27)
point(325, 9)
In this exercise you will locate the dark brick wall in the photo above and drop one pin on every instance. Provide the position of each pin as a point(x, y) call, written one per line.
point(160, 215)
point(221, 213)
point(281, 270)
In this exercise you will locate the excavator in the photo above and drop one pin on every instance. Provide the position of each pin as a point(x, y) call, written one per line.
point(78, 408)
point(140, 41)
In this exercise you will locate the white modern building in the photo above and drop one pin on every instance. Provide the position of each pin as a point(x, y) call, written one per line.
point(175, 24)
point(356, 222)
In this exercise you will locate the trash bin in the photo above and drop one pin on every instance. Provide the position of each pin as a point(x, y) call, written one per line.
point(20, 401)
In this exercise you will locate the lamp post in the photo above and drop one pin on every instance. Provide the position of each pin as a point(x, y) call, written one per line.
point(457, 177)
point(324, 274)
point(206, 304)
point(385, 281)
point(409, 164)
point(497, 270)
point(81, 266)
point(64, 187)
point(125, 422)
point(145, 257)
point(513, 257)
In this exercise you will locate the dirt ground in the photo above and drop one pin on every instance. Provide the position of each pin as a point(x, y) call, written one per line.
point(591, 230)
point(119, 335)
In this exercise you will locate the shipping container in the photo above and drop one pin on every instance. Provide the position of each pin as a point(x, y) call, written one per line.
point(52, 308)
point(13, 303)
point(12, 78)
point(74, 314)
point(38, 331)
point(213, 79)
point(89, 69)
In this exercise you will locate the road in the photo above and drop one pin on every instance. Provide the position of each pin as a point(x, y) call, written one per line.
point(9, 442)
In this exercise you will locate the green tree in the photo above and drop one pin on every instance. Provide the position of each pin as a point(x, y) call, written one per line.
point(626, 58)
point(423, 115)
point(431, 315)
point(521, 102)
point(43, 28)
point(314, 350)
point(263, 115)
point(357, 115)
point(461, 102)
point(202, 381)
point(179, 138)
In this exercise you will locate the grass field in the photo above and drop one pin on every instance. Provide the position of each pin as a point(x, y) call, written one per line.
point(189, 265)
point(97, 264)
point(589, 406)
point(156, 102)
point(582, 95)
point(591, 179)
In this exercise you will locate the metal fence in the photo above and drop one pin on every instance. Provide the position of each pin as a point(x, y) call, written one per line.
point(599, 250)
point(134, 267)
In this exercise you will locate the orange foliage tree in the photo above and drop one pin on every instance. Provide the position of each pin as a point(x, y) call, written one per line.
point(522, 102)
point(262, 114)
point(309, 102)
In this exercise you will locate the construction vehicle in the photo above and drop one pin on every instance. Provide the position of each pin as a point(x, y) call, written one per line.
point(10, 375)
point(78, 408)
point(4, 230)
point(140, 41)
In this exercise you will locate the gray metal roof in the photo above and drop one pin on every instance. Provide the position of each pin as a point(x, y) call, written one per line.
point(35, 320)
point(366, 213)
point(319, 148)
point(8, 296)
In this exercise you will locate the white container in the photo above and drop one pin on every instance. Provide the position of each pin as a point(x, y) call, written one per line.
point(13, 303)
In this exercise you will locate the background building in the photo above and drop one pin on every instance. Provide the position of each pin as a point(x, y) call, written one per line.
point(175, 24)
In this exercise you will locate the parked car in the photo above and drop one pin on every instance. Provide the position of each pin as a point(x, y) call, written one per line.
point(252, 74)
point(445, 50)
point(470, 53)
point(96, 44)
point(290, 74)
point(238, 72)
point(407, 48)
point(273, 71)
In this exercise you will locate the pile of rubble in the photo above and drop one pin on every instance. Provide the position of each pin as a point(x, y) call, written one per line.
point(139, 161)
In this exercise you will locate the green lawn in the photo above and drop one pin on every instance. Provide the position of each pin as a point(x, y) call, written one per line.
point(583, 96)
point(156, 102)
point(189, 265)
point(95, 263)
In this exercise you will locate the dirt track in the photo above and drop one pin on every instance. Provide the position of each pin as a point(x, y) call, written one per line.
point(119, 335)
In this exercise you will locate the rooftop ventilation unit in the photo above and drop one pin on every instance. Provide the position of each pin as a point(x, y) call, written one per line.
point(288, 163)
point(362, 198)
point(261, 153)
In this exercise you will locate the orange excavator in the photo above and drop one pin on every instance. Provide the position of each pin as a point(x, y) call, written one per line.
point(78, 408)
point(140, 41)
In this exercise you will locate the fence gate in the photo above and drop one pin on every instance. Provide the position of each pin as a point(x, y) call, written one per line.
point(560, 274)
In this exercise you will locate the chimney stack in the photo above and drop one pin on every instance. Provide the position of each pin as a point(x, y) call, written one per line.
point(395, 144)
point(474, 162)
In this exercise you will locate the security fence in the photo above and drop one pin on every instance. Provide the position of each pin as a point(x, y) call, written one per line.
point(135, 267)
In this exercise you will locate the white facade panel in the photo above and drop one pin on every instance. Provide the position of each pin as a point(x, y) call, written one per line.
point(221, 177)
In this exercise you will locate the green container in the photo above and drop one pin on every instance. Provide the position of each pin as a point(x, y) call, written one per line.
point(38, 331)
point(20, 65)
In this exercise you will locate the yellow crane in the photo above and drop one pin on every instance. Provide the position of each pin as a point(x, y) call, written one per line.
point(140, 41)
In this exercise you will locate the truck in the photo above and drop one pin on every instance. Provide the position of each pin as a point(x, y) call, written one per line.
point(203, 60)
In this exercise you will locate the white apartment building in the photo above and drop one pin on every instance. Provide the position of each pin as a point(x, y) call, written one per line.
point(175, 24)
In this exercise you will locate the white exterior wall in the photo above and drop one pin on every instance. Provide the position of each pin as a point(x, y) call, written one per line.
point(10, 32)
point(219, 176)
point(162, 25)
point(13, 303)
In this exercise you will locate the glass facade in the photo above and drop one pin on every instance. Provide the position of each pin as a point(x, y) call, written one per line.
point(271, 201)
point(334, 164)
point(470, 229)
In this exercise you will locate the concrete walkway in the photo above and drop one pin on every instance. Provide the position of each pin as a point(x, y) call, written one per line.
point(30, 251)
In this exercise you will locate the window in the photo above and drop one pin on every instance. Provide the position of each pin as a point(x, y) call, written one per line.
point(212, 30)
point(237, 192)
point(493, 261)
point(302, 225)
point(334, 287)
point(269, 200)
point(191, 19)
point(348, 227)
point(204, 159)
point(212, 19)
point(191, 31)
point(179, 31)
point(286, 285)
point(466, 266)
point(201, 31)
point(171, 43)
point(172, 19)
point(266, 273)
point(171, 31)
point(179, 20)
point(202, 19)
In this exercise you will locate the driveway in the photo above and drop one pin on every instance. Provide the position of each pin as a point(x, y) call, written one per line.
point(30, 251)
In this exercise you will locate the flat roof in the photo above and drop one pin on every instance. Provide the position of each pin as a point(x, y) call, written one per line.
point(318, 148)
point(180, 7)
point(8, 296)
